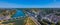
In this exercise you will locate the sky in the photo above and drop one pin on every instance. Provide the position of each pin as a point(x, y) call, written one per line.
point(29, 3)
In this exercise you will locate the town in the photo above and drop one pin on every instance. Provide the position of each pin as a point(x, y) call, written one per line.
point(27, 16)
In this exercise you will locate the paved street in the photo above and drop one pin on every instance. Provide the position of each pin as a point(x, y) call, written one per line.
point(35, 21)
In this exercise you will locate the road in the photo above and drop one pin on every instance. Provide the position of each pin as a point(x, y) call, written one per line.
point(35, 20)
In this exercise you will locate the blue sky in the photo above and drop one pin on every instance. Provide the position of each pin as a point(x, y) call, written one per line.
point(29, 3)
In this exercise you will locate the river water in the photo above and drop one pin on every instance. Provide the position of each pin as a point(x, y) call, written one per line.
point(18, 13)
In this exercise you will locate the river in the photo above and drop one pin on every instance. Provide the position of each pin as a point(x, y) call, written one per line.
point(18, 13)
